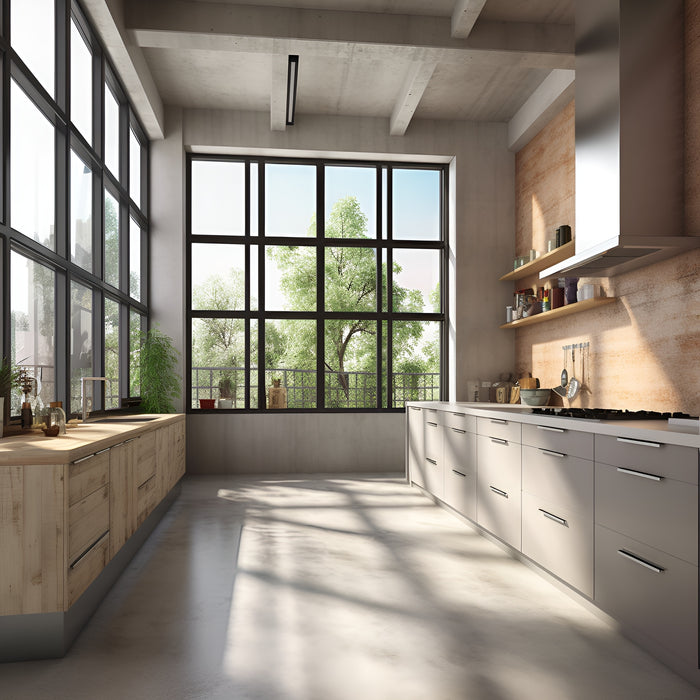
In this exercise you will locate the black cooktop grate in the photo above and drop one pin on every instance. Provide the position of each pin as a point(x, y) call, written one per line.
point(608, 414)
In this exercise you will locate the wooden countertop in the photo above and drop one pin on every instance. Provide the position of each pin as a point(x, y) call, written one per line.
point(80, 441)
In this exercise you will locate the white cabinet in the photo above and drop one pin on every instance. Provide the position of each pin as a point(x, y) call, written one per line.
point(434, 447)
point(460, 463)
point(415, 453)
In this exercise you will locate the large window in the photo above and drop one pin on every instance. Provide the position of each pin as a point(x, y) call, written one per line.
point(315, 285)
point(76, 219)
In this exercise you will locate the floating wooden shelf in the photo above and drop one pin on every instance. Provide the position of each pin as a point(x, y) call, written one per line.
point(544, 261)
point(560, 312)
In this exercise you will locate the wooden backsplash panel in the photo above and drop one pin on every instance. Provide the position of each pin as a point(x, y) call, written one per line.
point(644, 349)
point(544, 184)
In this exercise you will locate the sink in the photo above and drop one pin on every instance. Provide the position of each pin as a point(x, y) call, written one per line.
point(125, 419)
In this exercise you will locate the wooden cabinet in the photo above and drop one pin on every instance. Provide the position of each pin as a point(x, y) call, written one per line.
point(459, 455)
point(122, 494)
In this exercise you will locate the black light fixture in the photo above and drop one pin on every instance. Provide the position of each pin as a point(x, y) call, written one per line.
point(292, 74)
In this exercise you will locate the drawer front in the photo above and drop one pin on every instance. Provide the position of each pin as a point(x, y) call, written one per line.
point(434, 478)
point(568, 442)
point(498, 511)
point(661, 513)
point(146, 457)
point(87, 475)
point(499, 462)
point(499, 428)
point(88, 520)
point(558, 478)
point(459, 421)
point(433, 441)
point(146, 499)
point(460, 491)
point(672, 461)
point(84, 571)
point(662, 605)
point(179, 451)
point(415, 446)
point(559, 540)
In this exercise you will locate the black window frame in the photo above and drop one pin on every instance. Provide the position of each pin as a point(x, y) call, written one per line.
point(379, 243)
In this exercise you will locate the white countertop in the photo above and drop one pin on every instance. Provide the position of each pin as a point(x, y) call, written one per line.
point(651, 430)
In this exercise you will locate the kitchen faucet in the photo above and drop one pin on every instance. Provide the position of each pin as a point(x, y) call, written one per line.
point(83, 398)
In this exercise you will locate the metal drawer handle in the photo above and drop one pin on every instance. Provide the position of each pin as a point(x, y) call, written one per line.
point(499, 492)
point(499, 421)
point(642, 562)
point(414, 408)
point(101, 452)
point(644, 475)
point(434, 425)
point(459, 430)
point(431, 410)
point(551, 516)
point(459, 415)
point(150, 478)
point(551, 430)
point(89, 549)
point(642, 443)
point(499, 441)
point(552, 453)
point(83, 459)
point(432, 461)
point(454, 471)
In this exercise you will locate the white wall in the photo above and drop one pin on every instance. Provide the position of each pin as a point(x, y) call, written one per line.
point(481, 238)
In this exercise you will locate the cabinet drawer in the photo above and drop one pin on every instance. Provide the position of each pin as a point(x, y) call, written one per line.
point(415, 446)
point(661, 604)
point(87, 475)
point(498, 510)
point(146, 457)
point(88, 520)
point(433, 441)
point(569, 442)
point(460, 472)
point(86, 569)
point(558, 478)
point(672, 461)
point(662, 513)
point(499, 462)
point(459, 421)
point(146, 499)
point(434, 478)
point(559, 540)
point(499, 428)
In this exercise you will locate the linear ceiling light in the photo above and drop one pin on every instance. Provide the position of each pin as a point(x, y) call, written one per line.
point(292, 73)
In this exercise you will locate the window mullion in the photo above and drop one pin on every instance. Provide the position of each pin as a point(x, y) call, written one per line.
point(320, 287)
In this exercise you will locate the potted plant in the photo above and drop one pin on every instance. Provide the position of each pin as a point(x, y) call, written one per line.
point(226, 389)
point(9, 377)
point(160, 383)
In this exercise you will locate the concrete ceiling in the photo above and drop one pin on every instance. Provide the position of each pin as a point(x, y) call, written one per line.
point(479, 60)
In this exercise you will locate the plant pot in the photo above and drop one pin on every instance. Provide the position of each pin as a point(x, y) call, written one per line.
point(207, 403)
point(225, 403)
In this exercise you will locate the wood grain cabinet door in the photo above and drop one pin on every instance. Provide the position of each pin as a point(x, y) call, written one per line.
point(122, 494)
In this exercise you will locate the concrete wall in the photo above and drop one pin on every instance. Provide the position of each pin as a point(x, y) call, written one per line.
point(481, 249)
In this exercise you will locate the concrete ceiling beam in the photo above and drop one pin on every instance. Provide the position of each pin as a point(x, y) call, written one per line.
point(410, 96)
point(107, 16)
point(552, 95)
point(278, 92)
point(464, 17)
point(183, 24)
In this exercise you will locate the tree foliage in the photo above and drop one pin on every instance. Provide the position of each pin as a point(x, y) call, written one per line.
point(160, 382)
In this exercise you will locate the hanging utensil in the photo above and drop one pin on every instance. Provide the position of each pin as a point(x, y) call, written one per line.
point(574, 384)
point(561, 390)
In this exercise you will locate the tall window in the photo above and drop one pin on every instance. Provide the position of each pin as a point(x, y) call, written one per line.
point(76, 221)
point(323, 278)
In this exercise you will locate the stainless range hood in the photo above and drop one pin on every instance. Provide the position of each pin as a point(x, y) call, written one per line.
point(629, 137)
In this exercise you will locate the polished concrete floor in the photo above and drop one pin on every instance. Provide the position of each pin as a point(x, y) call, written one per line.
point(335, 589)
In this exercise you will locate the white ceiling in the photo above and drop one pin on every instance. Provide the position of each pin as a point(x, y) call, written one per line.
point(396, 59)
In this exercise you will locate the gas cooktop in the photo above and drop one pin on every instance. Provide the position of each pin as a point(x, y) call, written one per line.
point(608, 414)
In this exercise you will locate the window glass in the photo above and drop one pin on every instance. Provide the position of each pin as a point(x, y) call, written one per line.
point(32, 179)
point(351, 202)
point(134, 260)
point(351, 279)
point(111, 240)
point(33, 37)
point(416, 280)
point(416, 362)
point(80, 212)
point(80, 83)
point(32, 323)
point(290, 278)
point(290, 200)
point(218, 198)
point(218, 277)
point(134, 168)
point(218, 362)
point(111, 131)
point(290, 357)
point(416, 204)
point(81, 343)
point(137, 325)
point(112, 353)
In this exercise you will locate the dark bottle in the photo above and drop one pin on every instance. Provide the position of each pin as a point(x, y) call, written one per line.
point(27, 418)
